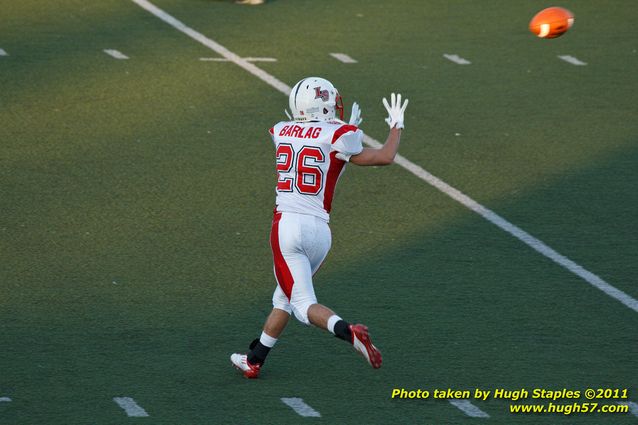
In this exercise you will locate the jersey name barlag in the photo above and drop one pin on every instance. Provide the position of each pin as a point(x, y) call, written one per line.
point(310, 158)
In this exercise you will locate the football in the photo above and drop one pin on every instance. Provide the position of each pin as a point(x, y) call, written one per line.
point(551, 22)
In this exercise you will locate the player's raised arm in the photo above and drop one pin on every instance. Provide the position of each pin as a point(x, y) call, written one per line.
point(385, 154)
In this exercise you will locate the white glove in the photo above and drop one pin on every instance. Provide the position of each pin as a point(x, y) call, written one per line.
point(355, 116)
point(395, 111)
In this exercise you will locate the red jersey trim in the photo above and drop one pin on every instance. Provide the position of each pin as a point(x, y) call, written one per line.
point(343, 130)
point(334, 171)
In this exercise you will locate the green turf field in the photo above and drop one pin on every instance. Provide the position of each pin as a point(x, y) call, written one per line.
point(137, 198)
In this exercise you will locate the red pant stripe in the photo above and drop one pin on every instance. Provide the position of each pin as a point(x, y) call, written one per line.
point(282, 272)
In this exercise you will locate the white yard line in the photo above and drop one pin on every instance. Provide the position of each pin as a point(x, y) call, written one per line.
point(469, 409)
point(572, 60)
point(116, 54)
point(456, 59)
point(131, 408)
point(246, 59)
point(214, 46)
point(633, 407)
point(5, 399)
point(3, 52)
point(299, 406)
point(418, 171)
point(342, 57)
point(249, 59)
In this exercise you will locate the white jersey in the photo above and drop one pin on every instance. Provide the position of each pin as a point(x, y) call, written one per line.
point(311, 156)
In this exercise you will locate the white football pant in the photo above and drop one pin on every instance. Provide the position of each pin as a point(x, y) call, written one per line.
point(299, 243)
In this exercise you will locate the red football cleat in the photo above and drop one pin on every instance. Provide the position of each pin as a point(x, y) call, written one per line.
point(240, 361)
point(361, 342)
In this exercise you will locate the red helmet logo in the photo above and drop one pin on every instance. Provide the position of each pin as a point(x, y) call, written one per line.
point(323, 94)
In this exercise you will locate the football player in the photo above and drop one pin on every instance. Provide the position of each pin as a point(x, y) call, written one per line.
point(311, 152)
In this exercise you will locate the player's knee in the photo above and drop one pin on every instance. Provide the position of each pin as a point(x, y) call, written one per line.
point(282, 305)
point(280, 301)
point(300, 310)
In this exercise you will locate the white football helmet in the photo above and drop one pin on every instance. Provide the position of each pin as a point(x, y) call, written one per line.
point(315, 99)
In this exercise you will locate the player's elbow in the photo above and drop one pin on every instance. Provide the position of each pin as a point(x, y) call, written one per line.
point(385, 159)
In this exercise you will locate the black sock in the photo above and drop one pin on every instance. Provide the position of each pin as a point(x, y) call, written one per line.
point(258, 352)
point(342, 331)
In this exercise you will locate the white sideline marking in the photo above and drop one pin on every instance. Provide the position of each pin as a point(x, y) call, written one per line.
point(299, 406)
point(115, 53)
point(131, 408)
point(246, 59)
point(342, 57)
point(572, 60)
point(3, 52)
point(513, 230)
point(633, 407)
point(418, 171)
point(457, 59)
point(469, 409)
point(5, 399)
